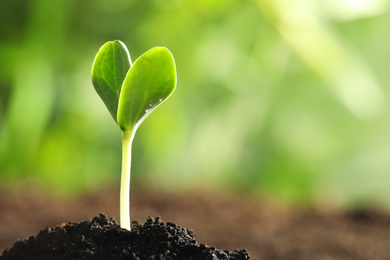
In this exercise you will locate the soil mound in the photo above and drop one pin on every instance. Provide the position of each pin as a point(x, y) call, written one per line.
point(103, 238)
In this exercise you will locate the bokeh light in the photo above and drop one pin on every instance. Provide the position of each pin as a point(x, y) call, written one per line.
point(286, 99)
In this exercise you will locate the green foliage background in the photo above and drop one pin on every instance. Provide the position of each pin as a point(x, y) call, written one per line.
point(287, 99)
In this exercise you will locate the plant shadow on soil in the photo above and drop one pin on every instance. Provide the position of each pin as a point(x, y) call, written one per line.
point(221, 221)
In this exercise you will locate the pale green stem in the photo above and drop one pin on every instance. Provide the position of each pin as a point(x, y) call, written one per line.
point(127, 140)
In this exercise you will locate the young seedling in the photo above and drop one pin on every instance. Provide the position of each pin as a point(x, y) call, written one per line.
point(131, 92)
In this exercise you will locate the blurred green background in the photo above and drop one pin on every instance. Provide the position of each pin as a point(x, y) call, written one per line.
point(283, 99)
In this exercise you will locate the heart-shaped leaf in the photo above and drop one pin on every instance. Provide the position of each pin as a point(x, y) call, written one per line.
point(150, 81)
point(109, 70)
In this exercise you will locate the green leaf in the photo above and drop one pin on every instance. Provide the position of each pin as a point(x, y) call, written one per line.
point(109, 70)
point(150, 81)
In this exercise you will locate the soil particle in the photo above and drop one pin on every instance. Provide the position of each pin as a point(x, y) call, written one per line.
point(103, 238)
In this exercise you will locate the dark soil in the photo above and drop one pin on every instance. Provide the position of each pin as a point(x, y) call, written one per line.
point(103, 239)
point(269, 231)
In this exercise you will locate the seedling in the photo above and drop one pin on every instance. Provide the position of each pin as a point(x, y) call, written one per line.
point(131, 92)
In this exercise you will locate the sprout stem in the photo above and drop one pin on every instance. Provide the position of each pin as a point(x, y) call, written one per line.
point(127, 140)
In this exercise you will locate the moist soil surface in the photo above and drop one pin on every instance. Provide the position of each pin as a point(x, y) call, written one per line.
point(226, 222)
point(102, 239)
